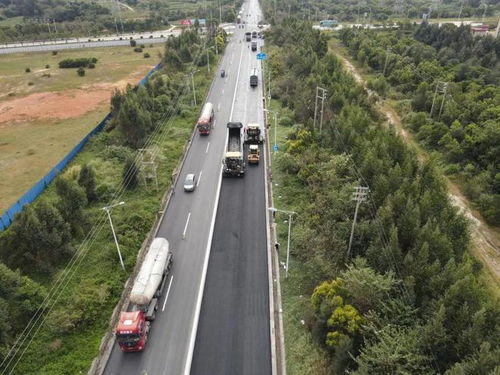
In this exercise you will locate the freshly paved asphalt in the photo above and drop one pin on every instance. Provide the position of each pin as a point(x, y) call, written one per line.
point(233, 332)
point(174, 330)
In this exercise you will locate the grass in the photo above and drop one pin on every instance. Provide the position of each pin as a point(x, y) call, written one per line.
point(114, 64)
point(70, 338)
point(303, 354)
point(29, 149)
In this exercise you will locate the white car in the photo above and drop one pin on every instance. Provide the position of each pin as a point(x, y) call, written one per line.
point(190, 182)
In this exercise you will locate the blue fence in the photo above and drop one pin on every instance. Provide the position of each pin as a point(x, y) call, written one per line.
point(37, 189)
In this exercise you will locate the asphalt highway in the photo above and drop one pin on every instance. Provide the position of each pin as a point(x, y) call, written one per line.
point(188, 225)
point(233, 334)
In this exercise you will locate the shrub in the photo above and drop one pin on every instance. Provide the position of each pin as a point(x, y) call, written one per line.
point(47, 66)
point(31, 83)
point(54, 53)
point(27, 70)
point(81, 72)
point(137, 49)
point(146, 55)
point(77, 63)
point(91, 66)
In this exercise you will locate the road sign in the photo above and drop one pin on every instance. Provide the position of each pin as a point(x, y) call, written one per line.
point(261, 56)
point(275, 148)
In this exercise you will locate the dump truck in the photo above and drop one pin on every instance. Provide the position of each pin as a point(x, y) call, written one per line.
point(248, 36)
point(253, 154)
point(253, 134)
point(254, 46)
point(205, 122)
point(133, 326)
point(254, 80)
point(233, 162)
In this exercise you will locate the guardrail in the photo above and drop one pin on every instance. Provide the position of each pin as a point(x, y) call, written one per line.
point(8, 216)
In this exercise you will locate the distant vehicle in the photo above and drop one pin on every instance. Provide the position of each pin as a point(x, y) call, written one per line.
point(254, 80)
point(254, 46)
point(328, 23)
point(190, 182)
point(253, 154)
point(254, 34)
point(253, 134)
point(222, 73)
point(248, 36)
point(206, 119)
point(238, 19)
point(233, 162)
point(133, 326)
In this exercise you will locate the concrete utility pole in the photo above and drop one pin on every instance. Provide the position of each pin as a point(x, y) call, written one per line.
point(441, 88)
point(386, 59)
point(275, 113)
point(290, 215)
point(359, 196)
point(194, 90)
point(322, 97)
point(108, 209)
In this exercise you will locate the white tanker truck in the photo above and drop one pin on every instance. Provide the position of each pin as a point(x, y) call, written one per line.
point(133, 327)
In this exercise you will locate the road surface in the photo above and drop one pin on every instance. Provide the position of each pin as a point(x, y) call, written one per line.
point(188, 225)
point(233, 333)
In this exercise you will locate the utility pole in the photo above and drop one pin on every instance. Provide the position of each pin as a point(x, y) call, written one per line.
point(359, 196)
point(275, 147)
point(441, 88)
point(290, 216)
point(386, 59)
point(322, 97)
point(148, 165)
point(108, 209)
point(194, 90)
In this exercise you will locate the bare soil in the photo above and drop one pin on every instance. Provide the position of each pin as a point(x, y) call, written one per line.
point(485, 238)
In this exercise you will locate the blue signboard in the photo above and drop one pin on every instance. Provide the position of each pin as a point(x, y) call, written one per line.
point(275, 148)
point(261, 56)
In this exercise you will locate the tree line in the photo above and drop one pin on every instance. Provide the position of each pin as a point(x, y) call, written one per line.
point(409, 299)
point(461, 121)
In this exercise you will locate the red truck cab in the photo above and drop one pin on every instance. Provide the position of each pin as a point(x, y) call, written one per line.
point(132, 331)
point(206, 119)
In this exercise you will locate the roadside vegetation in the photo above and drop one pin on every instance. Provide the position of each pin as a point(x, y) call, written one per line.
point(463, 125)
point(65, 233)
point(409, 297)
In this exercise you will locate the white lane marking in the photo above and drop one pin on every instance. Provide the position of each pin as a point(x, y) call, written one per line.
point(236, 86)
point(199, 178)
point(222, 91)
point(186, 226)
point(168, 291)
point(218, 107)
point(213, 125)
point(196, 319)
point(208, 145)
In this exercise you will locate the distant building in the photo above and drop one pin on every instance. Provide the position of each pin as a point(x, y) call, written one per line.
point(328, 23)
point(190, 22)
point(479, 29)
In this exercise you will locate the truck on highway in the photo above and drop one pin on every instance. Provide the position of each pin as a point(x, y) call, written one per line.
point(254, 46)
point(133, 326)
point(253, 134)
point(253, 154)
point(233, 162)
point(248, 36)
point(254, 80)
point(205, 122)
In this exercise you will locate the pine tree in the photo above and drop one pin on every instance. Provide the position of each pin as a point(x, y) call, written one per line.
point(72, 200)
point(87, 180)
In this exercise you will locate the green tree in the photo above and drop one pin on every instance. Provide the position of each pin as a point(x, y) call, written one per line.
point(133, 121)
point(87, 180)
point(72, 200)
point(130, 174)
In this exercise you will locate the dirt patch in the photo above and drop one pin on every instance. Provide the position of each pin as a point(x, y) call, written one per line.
point(62, 105)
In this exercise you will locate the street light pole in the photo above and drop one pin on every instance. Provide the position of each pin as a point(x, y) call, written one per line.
point(290, 216)
point(275, 114)
point(108, 209)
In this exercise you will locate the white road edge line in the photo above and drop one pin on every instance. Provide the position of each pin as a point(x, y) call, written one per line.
point(199, 179)
point(168, 291)
point(186, 226)
point(194, 329)
point(208, 145)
